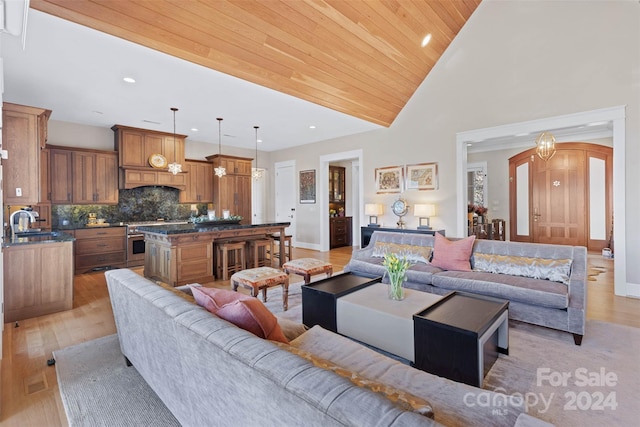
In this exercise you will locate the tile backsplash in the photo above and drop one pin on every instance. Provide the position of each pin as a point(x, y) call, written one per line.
point(138, 204)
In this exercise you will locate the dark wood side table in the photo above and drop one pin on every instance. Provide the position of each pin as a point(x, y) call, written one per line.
point(319, 298)
point(366, 233)
point(460, 336)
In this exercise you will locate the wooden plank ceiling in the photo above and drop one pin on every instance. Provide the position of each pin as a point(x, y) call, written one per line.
point(362, 58)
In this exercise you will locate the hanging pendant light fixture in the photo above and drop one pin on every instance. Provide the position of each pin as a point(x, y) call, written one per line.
point(545, 145)
point(220, 171)
point(175, 167)
point(257, 173)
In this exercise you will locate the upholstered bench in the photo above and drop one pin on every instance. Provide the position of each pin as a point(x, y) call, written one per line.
point(308, 267)
point(261, 278)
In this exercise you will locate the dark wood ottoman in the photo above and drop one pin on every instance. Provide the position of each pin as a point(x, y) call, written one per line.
point(460, 336)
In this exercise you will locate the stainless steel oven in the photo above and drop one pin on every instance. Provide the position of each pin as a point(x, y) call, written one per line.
point(135, 250)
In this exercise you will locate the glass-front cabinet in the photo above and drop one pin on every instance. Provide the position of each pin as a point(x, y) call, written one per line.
point(336, 184)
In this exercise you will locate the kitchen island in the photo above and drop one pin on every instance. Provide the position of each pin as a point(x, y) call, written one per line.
point(178, 254)
point(38, 274)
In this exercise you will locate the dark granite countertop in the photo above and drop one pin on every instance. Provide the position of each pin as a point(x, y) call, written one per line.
point(37, 238)
point(191, 228)
point(85, 226)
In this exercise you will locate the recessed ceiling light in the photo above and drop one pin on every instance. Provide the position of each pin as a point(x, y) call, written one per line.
point(469, 144)
point(194, 130)
point(312, 127)
point(259, 140)
point(129, 79)
point(426, 40)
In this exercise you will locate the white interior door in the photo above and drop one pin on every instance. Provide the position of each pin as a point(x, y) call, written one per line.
point(286, 196)
point(258, 201)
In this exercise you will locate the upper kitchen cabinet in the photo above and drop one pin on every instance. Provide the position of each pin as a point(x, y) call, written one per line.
point(95, 177)
point(24, 134)
point(135, 146)
point(199, 184)
point(81, 176)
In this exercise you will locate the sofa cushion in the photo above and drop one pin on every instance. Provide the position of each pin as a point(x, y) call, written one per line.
point(452, 254)
point(412, 253)
point(248, 313)
point(556, 270)
point(402, 398)
point(544, 293)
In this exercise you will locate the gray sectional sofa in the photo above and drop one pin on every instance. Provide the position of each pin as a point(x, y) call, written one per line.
point(210, 372)
point(545, 284)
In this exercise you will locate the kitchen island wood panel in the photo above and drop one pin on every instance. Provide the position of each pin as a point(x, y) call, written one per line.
point(38, 279)
point(178, 254)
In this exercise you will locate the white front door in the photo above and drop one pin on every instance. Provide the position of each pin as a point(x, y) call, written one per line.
point(286, 196)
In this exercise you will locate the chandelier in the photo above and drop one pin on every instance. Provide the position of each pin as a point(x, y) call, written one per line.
point(257, 173)
point(220, 171)
point(545, 145)
point(175, 167)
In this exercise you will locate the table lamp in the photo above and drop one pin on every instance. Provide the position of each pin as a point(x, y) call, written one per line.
point(373, 210)
point(424, 212)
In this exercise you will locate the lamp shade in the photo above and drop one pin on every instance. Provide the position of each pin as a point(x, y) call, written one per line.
point(424, 210)
point(373, 209)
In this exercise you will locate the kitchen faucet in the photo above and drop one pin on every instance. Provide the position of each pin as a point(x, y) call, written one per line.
point(16, 227)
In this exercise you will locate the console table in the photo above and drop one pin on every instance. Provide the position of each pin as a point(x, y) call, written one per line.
point(366, 233)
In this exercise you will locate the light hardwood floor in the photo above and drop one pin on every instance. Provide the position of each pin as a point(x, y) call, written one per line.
point(30, 396)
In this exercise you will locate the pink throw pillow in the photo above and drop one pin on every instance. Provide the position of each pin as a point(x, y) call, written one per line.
point(452, 254)
point(244, 311)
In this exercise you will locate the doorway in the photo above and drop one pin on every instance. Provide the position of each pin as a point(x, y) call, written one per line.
point(565, 200)
point(285, 188)
point(615, 116)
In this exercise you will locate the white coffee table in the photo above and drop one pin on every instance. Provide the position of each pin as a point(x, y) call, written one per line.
point(368, 315)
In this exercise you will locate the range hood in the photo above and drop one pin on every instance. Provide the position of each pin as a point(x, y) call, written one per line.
point(139, 177)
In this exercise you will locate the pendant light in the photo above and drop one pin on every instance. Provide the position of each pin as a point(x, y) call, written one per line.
point(220, 171)
point(257, 173)
point(175, 167)
point(545, 145)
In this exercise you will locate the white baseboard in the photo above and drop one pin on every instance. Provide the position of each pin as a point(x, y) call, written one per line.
point(633, 290)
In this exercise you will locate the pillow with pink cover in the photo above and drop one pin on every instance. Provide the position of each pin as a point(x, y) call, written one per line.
point(452, 254)
point(244, 311)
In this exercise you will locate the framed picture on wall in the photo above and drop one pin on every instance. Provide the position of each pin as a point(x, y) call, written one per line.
point(308, 186)
point(389, 179)
point(422, 176)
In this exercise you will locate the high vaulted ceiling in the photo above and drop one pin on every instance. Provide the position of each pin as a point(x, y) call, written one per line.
point(361, 58)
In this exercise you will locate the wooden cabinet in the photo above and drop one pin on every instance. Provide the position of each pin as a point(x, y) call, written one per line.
point(158, 260)
point(233, 190)
point(199, 182)
point(340, 231)
point(44, 215)
point(45, 176)
point(133, 178)
point(194, 261)
point(336, 184)
point(135, 146)
point(38, 279)
point(23, 136)
point(100, 248)
point(61, 176)
point(95, 177)
point(82, 176)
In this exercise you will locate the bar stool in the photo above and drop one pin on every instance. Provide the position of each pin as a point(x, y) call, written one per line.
point(260, 251)
point(230, 258)
point(287, 246)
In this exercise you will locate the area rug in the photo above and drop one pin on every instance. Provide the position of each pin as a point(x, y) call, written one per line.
point(98, 389)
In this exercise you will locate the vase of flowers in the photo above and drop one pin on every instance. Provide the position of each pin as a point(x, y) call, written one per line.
point(396, 269)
